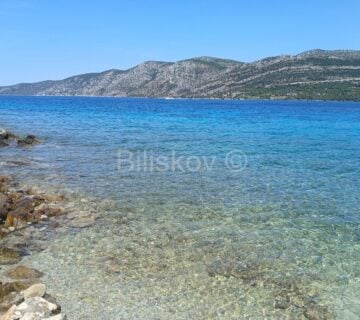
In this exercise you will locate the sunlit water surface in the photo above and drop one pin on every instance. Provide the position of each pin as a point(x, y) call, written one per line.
point(182, 243)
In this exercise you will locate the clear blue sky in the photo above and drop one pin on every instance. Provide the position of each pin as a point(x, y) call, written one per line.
point(53, 39)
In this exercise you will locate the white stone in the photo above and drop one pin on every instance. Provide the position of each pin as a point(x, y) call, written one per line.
point(36, 290)
point(43, 217)
point(11, 229)
point(35, 308)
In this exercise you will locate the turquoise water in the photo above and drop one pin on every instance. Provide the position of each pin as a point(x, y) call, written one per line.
point(279, 220)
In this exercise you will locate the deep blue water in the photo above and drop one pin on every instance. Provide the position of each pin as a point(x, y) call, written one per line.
point(291, 208)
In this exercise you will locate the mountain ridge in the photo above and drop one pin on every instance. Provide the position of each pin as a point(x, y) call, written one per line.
point(313, 74)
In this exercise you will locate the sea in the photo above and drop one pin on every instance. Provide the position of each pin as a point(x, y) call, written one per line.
point(207, 209)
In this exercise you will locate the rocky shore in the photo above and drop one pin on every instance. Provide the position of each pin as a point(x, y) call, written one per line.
point(28, 218)
point(22, 296)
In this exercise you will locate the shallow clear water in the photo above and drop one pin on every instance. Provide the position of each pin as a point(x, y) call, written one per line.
point(209, 237)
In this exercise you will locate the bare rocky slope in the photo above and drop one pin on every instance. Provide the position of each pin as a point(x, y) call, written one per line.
point(316, 74)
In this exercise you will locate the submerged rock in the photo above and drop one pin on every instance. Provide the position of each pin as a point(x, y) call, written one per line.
point(9, 256)
point(27, 141)
point(81, 219)
point(314, 311)
point(23, 272)
point(232, 268)
point(282, 302)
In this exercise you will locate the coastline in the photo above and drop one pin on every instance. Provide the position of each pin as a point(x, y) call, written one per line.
point(31, 217)
point(183, 98)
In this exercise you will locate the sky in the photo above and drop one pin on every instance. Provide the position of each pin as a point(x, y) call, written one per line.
point(48, 39)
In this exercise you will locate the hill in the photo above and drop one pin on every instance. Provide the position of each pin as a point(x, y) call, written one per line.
point(315, 74)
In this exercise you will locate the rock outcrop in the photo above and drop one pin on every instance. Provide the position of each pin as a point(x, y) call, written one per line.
point(9, 139)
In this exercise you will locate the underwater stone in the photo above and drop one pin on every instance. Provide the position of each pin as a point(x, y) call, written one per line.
point(313, 311)
point(9, 256)
point(23, 272)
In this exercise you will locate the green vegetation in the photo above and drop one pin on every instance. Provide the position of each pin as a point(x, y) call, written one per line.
point(318, 91)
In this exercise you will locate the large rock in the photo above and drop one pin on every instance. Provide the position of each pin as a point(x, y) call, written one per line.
point(36, 308)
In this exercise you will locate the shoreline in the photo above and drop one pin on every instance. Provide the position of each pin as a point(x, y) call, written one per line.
point(182, 98)
point(29, 219)
point(35, 219)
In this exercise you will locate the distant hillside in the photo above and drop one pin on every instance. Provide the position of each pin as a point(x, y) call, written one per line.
point(316, 74)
